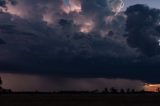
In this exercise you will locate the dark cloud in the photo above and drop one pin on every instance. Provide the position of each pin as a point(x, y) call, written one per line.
point(2, 41)
point(4, 2)
point(104, 15)
point(141, 27)
point(45, 37)
point(46, 50)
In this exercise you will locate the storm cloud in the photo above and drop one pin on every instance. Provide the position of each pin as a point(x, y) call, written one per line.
point(143, 29)
point(82, 39)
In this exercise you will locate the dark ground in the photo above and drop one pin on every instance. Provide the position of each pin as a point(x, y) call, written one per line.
point(80, 100)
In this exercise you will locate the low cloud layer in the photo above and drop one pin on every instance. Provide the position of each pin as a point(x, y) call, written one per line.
point(45, 83)
point(80, 38)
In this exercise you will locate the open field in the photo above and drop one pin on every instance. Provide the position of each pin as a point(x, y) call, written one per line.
point(80, 100)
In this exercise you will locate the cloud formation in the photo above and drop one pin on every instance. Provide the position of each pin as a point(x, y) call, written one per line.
point(45, 83)
point(84, 37)
point(145, 35)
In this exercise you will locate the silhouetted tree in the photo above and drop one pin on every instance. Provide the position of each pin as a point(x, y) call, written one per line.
point(133, 91)
point(0, 81)
point(122, 91)
point(128, 90)
point(106, 90)
point(0, 85)
point(95, 91)
point(113, 90)
point(158, 90)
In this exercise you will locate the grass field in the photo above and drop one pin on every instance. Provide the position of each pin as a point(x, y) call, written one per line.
point(80, 100)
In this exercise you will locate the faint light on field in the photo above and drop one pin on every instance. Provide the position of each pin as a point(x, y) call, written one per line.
point(152, 87)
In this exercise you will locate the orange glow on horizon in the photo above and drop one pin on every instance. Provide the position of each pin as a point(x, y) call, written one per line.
point(152, 87)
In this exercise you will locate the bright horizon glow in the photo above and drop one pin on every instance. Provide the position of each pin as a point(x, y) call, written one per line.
point(151, 87)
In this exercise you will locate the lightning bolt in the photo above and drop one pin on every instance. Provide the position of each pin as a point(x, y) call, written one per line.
point(120, 8)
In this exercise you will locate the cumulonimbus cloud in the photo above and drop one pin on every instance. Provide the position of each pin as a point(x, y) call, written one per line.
point(145, 35)
point(42, 37)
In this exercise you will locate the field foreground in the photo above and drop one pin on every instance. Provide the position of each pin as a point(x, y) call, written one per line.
point(80, 100)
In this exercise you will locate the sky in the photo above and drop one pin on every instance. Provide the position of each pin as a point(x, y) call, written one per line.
point(151, 3)
point(79, 44)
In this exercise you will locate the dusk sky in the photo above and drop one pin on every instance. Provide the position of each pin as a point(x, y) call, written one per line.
point(79, 44)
